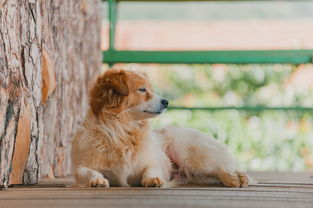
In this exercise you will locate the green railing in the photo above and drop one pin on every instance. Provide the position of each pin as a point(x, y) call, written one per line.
point(112, 56)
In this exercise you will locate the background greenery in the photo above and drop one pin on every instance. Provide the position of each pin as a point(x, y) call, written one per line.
point(261, 141)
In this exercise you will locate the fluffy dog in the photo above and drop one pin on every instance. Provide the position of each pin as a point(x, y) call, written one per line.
point(115, 146)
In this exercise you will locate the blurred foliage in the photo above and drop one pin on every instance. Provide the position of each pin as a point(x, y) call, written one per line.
point(260, 141)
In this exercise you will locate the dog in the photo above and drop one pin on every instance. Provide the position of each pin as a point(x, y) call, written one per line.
point(115, 146)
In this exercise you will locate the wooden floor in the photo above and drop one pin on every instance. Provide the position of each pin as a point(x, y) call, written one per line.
point(275, 190)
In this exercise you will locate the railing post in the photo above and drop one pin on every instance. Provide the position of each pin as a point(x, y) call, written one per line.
point(112, 25)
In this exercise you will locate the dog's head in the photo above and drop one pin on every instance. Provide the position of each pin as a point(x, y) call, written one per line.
point(118, 91)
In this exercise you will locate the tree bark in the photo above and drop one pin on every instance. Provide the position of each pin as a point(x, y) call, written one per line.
point(49, 50)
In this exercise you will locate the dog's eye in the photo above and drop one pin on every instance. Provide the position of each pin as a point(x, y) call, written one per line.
point(142, 89)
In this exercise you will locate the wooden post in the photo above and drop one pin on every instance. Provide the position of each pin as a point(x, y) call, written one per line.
point(49, 50)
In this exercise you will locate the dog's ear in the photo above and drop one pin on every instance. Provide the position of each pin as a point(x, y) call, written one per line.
point(109, 92)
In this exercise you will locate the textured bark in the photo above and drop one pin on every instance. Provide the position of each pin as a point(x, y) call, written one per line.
point(49, 50)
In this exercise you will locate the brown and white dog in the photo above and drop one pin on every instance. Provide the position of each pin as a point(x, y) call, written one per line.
point(115, 146)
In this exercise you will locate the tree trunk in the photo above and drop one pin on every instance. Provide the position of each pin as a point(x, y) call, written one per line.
point(49, 50)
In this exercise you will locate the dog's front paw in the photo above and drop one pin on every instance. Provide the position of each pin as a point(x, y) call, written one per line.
point(152, 182)
point(99, 182)
point(244, 179)
point(230, 180)
point(233, 179)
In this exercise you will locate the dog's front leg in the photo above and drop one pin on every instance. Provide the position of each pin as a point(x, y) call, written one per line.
point(90, 178)
point(152, 177)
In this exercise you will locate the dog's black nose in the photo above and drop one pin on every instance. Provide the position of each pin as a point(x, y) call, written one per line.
point(164, 103)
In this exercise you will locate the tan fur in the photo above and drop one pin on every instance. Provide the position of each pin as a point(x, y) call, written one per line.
point(115, 146)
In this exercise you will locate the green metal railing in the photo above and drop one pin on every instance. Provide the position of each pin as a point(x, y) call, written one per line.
point(112, 56)
point(201, 57)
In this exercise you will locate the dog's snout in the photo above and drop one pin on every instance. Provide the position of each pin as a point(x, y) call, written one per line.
point(164, 102)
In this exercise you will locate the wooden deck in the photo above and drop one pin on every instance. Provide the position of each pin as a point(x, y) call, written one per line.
point(275, 190)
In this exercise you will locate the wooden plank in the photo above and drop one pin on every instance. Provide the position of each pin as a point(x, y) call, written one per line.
point(157, 197)
point(283, 177)
point(275, 190)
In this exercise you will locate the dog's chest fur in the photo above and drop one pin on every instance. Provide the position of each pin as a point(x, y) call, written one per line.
point(122, 148)
point(119, 148)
